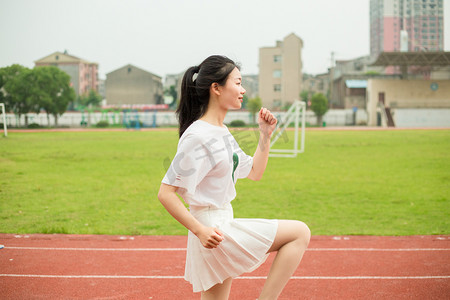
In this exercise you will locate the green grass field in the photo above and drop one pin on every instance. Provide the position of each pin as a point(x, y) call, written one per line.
point(346, 182)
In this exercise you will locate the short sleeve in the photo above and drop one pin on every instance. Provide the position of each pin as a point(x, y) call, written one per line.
point(245, 164)
point(189, 165)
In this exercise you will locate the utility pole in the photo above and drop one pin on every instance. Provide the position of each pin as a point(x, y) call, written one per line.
point(331, 80)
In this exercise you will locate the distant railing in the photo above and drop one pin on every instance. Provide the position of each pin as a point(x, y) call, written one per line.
point(334, 117)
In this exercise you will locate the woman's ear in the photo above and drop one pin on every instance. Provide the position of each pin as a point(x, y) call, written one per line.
point(215, 89)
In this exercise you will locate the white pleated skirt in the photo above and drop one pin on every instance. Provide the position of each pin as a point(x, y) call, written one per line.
point(244, 248)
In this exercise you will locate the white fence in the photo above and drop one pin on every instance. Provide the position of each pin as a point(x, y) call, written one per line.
point(167, 118)
point(410, 117)
point(404, 117)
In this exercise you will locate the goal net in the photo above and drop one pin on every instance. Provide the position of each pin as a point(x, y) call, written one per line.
point(296, 114)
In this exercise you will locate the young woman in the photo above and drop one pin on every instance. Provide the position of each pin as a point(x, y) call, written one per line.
point(204, 172)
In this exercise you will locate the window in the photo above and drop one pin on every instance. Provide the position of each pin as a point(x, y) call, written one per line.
point(277, 58)
point(277, 74)
point(277, 103)
point(277, 87)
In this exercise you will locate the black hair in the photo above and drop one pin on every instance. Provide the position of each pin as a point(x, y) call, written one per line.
point(195, 91)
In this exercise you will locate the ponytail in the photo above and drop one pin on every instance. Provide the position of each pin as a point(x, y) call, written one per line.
point(190, 108)
point(195, 87)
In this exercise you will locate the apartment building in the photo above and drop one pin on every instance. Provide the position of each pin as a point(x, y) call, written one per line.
point(132, 85)
point(83, 74)
point(406, 25)
point(280, 72)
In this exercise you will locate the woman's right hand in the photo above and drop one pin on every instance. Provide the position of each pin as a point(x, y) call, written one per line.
point(210, 237)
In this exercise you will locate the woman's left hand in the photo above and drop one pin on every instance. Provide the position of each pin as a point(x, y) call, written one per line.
point(267, 122)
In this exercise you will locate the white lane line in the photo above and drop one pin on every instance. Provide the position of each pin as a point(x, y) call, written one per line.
point(241, 277)
point(93, 276)
point(379, 249)
point(352, 277)
point(97, 249)
point(184, 249)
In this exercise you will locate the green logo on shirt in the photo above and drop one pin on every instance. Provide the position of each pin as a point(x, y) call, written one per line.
point(235, 164)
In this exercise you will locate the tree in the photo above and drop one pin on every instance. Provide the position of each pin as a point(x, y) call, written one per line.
point(171, 97)
point(319, 105)
point(28, 90)
point(55, 90)
point(18, 89)
point(3, 95)
point(254, 105)
point(304, 95)
point(244, 101)
point(173, 92)
point(91, 99)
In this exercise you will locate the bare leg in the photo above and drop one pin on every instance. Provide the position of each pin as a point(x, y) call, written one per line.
point(220, 291)
point(291, 241)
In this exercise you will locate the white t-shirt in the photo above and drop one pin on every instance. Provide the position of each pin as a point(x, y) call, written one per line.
point(207, 165)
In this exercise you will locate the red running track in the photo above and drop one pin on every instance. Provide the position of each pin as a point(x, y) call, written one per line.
point(152, 267)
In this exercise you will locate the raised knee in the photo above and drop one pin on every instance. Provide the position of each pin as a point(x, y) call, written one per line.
point(304, 233)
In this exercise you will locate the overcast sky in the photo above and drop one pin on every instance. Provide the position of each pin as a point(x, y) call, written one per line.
point(167, 36)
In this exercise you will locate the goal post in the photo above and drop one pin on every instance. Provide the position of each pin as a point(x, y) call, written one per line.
point(5, 130)
point(297, 114)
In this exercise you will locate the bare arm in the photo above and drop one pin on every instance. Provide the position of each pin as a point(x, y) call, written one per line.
point(267, 123)
point(209, 237)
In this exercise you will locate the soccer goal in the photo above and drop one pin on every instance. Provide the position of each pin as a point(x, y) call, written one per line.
point(294, 113)
point(4, 119)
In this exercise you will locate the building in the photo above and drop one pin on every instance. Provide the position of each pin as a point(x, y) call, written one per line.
point(172, 81)
point(83, 74)
point(349, 78)
point(250, 84)
point(406, 25)
point(131, 85)
point(410, 101)
point(319, 83)
point(280, 72)
point(101, 88)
